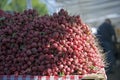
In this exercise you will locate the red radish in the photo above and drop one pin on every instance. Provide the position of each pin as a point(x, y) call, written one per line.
point(57, 44)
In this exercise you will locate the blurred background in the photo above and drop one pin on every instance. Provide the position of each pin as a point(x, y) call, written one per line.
point(92, 12)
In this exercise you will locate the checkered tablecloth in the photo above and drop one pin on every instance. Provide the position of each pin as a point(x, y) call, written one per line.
point(27, 77)
point(67, 77)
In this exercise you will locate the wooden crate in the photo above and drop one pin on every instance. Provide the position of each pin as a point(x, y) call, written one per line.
point(94, 77)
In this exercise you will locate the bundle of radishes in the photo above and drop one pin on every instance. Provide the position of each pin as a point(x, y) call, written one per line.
point(57, 44)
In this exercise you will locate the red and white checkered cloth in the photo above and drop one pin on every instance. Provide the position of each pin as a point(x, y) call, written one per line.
point(27, 77)
point(67, 77)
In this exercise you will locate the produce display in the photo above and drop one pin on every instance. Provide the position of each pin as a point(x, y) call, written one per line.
point(49, 45)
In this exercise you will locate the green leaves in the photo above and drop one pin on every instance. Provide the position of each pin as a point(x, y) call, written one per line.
point(42, 33)
point(92, 67)
point(22, 47)
point(20, 5)
point(2, 18)
point(3, 3)
point(61, 74)
point(13, 35)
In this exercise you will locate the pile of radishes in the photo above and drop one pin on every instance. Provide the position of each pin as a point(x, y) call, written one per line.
point(57, 44)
